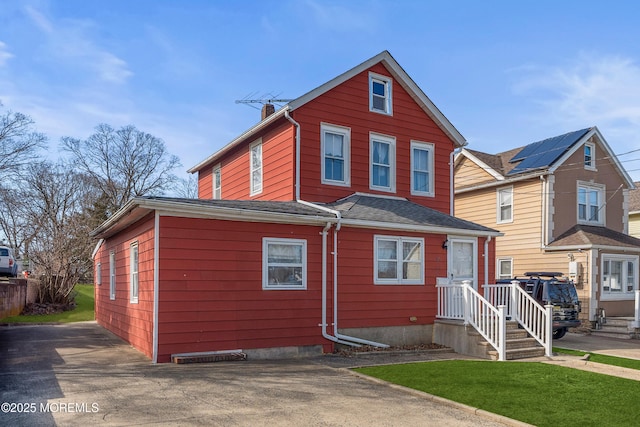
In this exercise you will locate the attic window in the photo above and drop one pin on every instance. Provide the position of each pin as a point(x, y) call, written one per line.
point(589, 156)
point(380, 100)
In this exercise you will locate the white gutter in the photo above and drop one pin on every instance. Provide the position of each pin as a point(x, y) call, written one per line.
point(325, 334)
point(451, 180)
point(335, 298)
point(156, 285)
point(486, 260)
point(297, 125)
point(501, 183)
point(343, 339)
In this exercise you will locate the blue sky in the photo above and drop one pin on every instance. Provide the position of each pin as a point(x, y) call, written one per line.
point(505, 73)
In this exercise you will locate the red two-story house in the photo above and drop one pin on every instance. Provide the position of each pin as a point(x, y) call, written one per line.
point(325, 223)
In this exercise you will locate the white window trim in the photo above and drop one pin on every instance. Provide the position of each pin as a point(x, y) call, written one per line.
point(253, 190)
point(134, 273)
point(346, 133)
point(624, 295)
point(217, 169)
point(388, 84)
point(601, 203)
point(265, 264)
point(499, 192)
point(592, 166)
point(98, 278)
point(399, 280)
point(392, 161)
point(429, 147)
point(112, 275)
point(499, 261)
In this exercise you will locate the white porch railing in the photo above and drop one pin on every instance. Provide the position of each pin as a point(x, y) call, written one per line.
point(636, 320)
point(488, 314)
point(462, 302)
point(521, 307)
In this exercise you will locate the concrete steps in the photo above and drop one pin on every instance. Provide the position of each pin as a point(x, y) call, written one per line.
point(519, 344)
point(617, 327)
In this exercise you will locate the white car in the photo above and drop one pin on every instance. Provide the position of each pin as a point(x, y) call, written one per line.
point(8, 264)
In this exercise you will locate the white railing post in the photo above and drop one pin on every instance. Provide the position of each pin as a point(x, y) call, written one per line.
point(466, 284)
point(548, 327)
point(636, 321)
point(502, 333)
point(514, 310)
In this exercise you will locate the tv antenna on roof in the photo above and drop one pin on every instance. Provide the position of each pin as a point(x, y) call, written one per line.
point(265, 99)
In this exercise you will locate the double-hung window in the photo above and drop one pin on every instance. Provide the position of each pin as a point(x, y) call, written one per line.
point(505, 205)
point(505, 268)
point(421, 169)
point(98, 278)
point(335, 145)
point(589, 156)
point(284, 263)
point(619, 276)
point(112, 275)
point(590, 204)
point(398, 260)
point(255, 154)
point(134, 283)
point(217, 182)
point(380, 100)
point(383, 163)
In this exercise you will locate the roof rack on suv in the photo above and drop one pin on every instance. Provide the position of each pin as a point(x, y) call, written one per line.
point(543, 273)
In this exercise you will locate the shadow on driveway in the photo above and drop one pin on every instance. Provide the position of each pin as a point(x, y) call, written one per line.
point(88, 376)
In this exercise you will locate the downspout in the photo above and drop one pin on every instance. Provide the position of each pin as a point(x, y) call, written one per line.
point(451, 181)
point(343, 339)
point(486, 260)
point(335, 297)
point(545, 217)
point(324, 289)
point(297, 126)
point(156, 286)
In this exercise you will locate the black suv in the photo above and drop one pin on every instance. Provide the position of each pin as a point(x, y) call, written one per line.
point(551, 288)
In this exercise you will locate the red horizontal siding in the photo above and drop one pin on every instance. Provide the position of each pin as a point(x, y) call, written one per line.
point(361, 303)
point(205, 183)
point(278, 160)
point(348, 105)
point(212, 297)
point(132, 322)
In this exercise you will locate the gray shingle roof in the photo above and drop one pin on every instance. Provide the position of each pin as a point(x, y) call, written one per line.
point(634, 198)
point(590, 235)
point(399, 211)
point(294, 208)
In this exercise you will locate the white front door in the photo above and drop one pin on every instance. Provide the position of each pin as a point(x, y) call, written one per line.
point(462, 260)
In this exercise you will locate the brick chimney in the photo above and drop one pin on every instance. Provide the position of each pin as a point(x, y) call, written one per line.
point(267, 110)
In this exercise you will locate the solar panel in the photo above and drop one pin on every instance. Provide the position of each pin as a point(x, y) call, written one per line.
point(544, 153)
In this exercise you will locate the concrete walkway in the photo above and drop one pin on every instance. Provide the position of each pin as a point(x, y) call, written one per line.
point(629, 349)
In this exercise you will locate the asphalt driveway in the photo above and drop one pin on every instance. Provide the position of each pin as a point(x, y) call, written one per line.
point(80, 374)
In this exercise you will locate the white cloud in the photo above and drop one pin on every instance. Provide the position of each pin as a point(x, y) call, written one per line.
point(71, 42)
point(5, 55)
point(593, 90)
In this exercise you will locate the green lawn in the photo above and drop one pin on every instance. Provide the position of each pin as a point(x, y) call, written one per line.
point(602, 358)
point(532, 392)
point(84, 310)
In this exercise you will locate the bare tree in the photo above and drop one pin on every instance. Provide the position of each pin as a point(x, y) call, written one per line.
point(19, 143)
point(60, 249)
point(18, 230)
point(124, 163)
point(187, 187)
